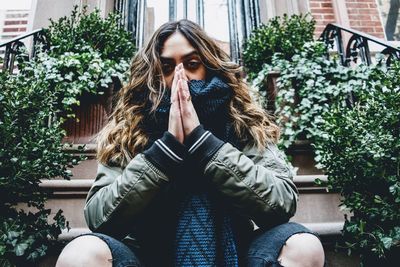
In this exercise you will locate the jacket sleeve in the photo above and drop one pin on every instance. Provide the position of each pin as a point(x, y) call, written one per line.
point(118, 195)
point(259, 185)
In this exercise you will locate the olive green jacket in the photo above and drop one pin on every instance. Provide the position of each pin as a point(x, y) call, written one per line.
point(256, 185)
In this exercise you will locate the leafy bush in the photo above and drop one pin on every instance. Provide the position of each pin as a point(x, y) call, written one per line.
point(357, 145)
point(30, 150)
point(83, 32)
point(359, 149)
point(87, 54)
point(71, 74)
point(285, 35)
point(308, 84)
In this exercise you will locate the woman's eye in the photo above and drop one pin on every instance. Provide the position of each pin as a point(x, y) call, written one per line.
point(192, 64)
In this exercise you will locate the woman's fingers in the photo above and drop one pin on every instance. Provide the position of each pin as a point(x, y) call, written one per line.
point(174, 91)
point(188, 113)
point(175, 122)
point(175, 119)
point(183, 117)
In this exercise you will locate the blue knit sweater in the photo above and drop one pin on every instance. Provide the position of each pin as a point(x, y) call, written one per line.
point(204, 233)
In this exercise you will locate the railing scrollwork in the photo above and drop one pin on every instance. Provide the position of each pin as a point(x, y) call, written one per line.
point(357, 46)
point(13, 48)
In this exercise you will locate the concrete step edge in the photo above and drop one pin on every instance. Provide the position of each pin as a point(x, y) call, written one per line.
point(92, 147)
point(326, 228)
point(85, 184)
point(323, 229)
point(67, 185)
point(75, 148)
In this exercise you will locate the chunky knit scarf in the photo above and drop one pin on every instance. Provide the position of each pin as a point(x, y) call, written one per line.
point(204, 232)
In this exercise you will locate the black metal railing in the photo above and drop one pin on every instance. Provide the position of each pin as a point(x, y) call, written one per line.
point(357, 45)
point(13, 48)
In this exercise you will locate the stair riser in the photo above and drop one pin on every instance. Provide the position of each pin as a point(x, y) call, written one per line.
point(86, 169)
point(301, 158)
point(312, 208)
point(318, 208)
point(304, 161)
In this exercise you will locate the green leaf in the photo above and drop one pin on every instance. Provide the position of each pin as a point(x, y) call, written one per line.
point(20, 249)
point(387, 242)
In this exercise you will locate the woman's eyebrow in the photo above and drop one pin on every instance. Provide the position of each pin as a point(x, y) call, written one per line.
point(193, 53)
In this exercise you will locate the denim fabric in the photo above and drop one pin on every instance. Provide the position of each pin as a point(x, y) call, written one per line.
point(122, 256)
point(265, 248)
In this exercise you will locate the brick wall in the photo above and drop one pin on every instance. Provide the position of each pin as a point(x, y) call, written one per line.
point(16, 22)
point(363, 15)
point(13, 23)
point(322, 11)
point(14, 29)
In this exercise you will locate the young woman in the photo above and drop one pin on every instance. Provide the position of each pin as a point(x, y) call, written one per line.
point(187, 163)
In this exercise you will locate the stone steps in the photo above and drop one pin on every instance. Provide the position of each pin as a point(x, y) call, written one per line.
point(69, 195)
point(326, 230)
point(318, 209)
point(301, 154)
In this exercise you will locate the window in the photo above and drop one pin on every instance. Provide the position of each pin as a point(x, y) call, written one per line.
point(227, 21)
point(212, 15)
point(273, 8)
point(216, 22)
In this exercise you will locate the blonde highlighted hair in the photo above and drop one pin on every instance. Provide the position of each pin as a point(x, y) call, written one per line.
point(124, 136)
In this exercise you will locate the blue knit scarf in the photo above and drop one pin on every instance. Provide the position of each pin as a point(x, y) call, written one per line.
point(204, 232)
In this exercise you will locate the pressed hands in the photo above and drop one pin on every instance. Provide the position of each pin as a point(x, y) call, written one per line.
point(183, 118)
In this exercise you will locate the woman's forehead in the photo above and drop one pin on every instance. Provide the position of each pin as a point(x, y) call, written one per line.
point(177, 47)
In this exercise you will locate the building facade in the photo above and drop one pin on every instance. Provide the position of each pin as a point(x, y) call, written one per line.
point(229, 22)
point(13, 22)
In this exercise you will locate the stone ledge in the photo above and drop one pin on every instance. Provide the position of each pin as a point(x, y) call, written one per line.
point(68, 185)
point(91, 148)
point(323, 229)
point(72, 233)
point(303, 182)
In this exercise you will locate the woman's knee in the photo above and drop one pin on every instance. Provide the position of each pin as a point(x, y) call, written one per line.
point(85, 250)
point(302, 250)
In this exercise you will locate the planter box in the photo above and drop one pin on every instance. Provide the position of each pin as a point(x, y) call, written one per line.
point(90, 116)
point(270, 83)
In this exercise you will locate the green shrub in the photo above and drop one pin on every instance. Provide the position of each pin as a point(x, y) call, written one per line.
point(71, 74)
point(359, 149)
point(285, 35)
point(357, 145)
point(307, 85)
point(82, 32)
point(30, 150)
point(87, 54)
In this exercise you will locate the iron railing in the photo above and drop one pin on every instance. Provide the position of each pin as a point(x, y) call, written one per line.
point(13, 48)
point(357, 45)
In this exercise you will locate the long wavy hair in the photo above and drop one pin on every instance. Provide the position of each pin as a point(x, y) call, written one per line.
point(124, 137)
